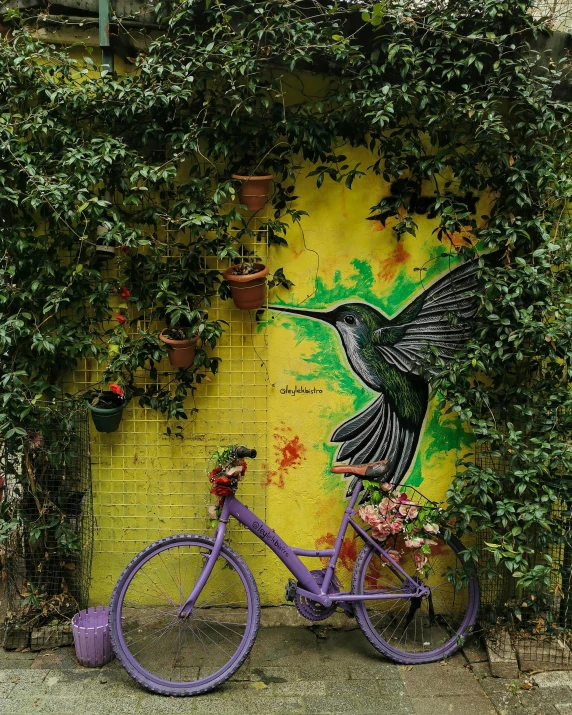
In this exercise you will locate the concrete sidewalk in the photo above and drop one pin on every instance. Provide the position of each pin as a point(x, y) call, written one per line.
point(290, 670)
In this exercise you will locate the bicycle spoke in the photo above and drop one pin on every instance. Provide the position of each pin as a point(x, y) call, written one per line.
point(413, 625)
point(184, 650)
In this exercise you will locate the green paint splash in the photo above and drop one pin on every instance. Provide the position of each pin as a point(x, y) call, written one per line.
point(360, 285)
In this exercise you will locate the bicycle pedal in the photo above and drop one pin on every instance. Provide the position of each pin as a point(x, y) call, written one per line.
point(291, 588)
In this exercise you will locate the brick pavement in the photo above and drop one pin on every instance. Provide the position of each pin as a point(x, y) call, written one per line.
point(290, 670)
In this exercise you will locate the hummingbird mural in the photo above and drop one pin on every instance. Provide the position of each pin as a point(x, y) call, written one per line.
point(395, 358)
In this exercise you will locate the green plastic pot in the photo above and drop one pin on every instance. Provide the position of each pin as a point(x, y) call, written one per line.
point(106, 419)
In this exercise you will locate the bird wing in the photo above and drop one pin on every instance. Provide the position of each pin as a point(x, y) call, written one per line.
point(436, 321)
point(375, 434)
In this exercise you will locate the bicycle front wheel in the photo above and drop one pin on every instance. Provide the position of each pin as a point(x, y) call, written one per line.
point(416, 630)
point(174, 656)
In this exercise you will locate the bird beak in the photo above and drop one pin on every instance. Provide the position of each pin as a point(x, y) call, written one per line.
point(326, 316)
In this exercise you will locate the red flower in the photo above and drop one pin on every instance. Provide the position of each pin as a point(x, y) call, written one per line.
point(221, 491)
point(125, 292)
point(121, 318)
point(215, 471)
point(116, 389)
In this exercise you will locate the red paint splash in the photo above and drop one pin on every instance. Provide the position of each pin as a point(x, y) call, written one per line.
point(348, 552)
point(289, 453)
point(389, 266)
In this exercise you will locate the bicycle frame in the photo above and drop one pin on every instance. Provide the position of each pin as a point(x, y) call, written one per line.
point(307, 585)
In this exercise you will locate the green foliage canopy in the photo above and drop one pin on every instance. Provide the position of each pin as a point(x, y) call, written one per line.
point(143, 162)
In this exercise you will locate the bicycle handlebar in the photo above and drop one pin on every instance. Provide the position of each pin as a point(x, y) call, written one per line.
point(242, 452)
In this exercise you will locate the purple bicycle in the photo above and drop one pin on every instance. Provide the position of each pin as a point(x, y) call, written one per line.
point(185, 612)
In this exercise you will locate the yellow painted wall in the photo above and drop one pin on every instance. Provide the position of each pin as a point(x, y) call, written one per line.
point(147, 486)
point(340, 256)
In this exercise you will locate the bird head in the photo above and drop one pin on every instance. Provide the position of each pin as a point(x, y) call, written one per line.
point(355, 322)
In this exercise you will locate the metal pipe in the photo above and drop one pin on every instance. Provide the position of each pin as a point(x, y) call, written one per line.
point(104, 37)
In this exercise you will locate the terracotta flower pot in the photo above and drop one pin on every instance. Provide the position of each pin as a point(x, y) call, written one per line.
point(253, 192)
point(107, 419)
point(181, 352)
point(102, 251)
point(248, 292)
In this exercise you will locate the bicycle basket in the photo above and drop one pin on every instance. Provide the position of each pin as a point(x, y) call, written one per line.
point(415, 496)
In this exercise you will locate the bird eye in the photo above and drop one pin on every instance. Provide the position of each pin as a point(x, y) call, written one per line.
point(349, 319)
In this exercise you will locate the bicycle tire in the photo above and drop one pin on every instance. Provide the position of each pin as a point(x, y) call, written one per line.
point(395, 615)
point(121, 615)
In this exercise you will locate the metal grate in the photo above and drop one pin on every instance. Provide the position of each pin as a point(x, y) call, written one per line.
point(148, 485)
point(537, 623)
point(47, 581)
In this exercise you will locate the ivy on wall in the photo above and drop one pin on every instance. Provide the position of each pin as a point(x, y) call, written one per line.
point(450, 99)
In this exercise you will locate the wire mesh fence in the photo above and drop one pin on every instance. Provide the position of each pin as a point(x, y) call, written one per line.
point(148, 484)
point(48, 525)
point(536, 623)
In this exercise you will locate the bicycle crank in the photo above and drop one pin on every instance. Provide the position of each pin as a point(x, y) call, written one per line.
point(312, 610)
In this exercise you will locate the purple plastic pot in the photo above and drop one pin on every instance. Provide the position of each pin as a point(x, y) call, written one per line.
point(91, 637)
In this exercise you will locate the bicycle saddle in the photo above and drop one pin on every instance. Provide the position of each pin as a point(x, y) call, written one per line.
point(373, 470)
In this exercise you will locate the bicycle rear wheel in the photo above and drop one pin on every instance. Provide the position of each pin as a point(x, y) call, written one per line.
point(414, 630)
point(174, 656)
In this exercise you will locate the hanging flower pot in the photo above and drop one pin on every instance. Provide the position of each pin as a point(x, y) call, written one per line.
point(247, 282)
point(102, 251)
point(181, 350)
point(253, 192)
point(107, 408)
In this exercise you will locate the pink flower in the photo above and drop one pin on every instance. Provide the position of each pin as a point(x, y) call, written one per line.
point(381, 532)
point(387, 506)
point(431, 528)
point(420, 560)
point(212, 511)
point(414, 542)
point(396, 526)
point(369, 514)
point(395, 555)
point(386, 487)
point(408, 510)
point(376, 521)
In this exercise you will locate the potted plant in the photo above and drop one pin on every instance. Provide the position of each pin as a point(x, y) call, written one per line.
point(103, 251)
point(181, 307)
point(247, 283)
point(107, 407)
point(254, 187)
point(181, 340)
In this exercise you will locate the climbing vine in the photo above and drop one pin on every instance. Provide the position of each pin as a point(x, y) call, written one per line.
point(452, 99)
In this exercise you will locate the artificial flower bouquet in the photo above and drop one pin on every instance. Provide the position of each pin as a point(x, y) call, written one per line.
point(397, 521)
point(224, 477)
